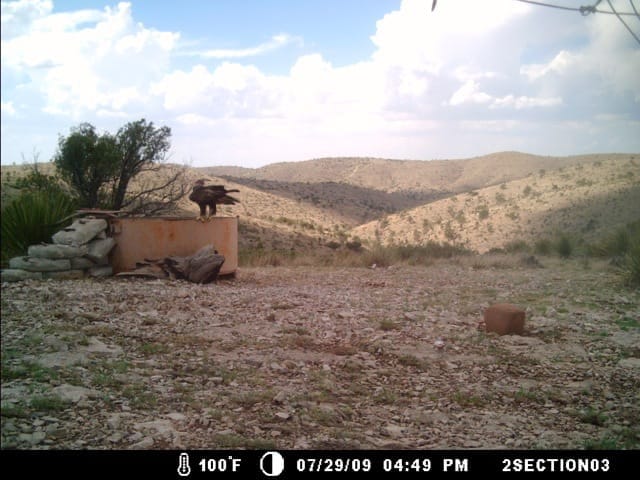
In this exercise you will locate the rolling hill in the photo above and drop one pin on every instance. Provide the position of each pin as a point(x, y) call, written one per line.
point(585, 200)
point(481, 203)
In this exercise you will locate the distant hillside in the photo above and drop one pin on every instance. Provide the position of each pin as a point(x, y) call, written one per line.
point(483, 202)
point(354, 204)
point(585, 200)
point(448, 176)
point(272, 221)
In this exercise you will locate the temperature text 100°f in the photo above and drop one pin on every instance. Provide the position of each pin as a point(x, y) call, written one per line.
point(229, 464)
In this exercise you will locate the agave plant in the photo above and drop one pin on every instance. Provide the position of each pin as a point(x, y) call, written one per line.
point(31, 218)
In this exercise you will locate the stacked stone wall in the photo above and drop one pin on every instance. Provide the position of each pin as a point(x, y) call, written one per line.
point(81, 250)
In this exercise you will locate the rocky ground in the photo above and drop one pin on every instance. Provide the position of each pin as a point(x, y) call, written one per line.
point(315, 358)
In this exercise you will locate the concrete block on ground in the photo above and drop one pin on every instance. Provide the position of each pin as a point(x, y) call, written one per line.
point(100, 248)
point(504, 319)
point(33, 264)
point(53, 251)
point(102, 261)
point(81, 263)
point(82, 231)
point(17, 275)
point(100, 271)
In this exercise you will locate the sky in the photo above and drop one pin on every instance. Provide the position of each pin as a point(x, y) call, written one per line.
point(253, 82)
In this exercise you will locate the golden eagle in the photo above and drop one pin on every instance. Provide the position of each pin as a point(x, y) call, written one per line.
point(210, 196)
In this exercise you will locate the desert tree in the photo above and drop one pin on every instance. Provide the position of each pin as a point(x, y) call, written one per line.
point(141, 147)
point(87, 161)
point(125, 171)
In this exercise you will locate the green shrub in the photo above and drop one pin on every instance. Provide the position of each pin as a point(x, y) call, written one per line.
point(33, 218)
point(631, 264)
point(422, 254)
point(384, 256)
point(516, 246)
point(621, 242)
point(564, 247)
point(261, 257)
point(36, 181)
point(483, 212)
point(617, 244)
point(543, 247)
point(355, 245)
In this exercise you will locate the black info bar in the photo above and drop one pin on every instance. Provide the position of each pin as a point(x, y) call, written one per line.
point(285, 464)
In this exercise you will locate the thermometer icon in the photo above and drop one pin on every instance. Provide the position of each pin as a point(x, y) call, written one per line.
point(184, 470)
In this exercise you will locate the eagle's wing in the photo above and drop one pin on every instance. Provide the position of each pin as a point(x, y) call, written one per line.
point(228, 200)
point(212, 194)
point(218, 189)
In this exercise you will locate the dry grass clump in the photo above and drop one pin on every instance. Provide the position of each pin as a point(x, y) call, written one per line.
point(346, 256)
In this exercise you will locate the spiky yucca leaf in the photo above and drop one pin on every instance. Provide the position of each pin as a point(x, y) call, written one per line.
point(32, 218)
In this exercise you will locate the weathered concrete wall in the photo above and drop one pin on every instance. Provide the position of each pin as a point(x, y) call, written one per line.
point(138, 239)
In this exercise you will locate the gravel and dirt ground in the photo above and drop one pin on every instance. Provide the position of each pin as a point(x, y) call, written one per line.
point(325, 358)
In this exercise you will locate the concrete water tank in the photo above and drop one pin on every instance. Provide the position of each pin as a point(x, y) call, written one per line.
point(155, 238)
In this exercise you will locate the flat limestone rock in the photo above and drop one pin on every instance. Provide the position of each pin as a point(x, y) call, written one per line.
point(72, 393)
point(97, 347)
point(81, 263)
point(81, 232)
point(17, 275)
point(102, 261)
point(53, 251)
point(100, 248)
point(630, 362)
point(62, 359)
point(33, 264)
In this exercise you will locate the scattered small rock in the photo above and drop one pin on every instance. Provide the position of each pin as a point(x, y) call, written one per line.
point(74, 394)
point(146, 442)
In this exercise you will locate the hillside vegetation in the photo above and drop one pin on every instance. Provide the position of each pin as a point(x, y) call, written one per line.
point(481, 203)
point(585, 200)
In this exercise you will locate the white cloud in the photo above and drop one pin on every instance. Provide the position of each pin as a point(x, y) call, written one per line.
point(16, 17)
point(86, 60)
point(469, 93)
point(559, 65)
point(525, 102)
point(7, 108)
point(276, 42)
point(607, 66)
point(230, 90)
point(444, 83)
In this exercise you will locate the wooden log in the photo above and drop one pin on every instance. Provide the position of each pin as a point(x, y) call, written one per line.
point(145, 271)
point(202, 267)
